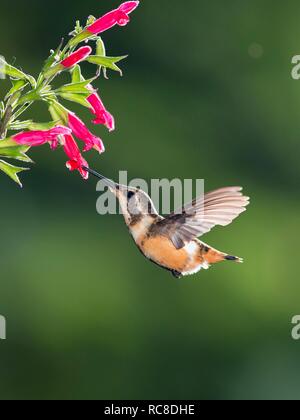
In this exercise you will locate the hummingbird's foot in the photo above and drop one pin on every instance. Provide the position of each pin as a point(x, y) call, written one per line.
point(176, 274)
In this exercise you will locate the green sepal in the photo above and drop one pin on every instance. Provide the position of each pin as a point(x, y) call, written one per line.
point(31, 80)
point(82, 36)
point(12, 171)
point(55, 56)
point(76, 97)
point(58, 112)
point(19, 125)
point(40, 79)
point(2, 109)
point(15, 97)
point(78, 29)
point(108, 62)
point(55, 116)
point(76, 74)
point(90, 20)
point(80, 87)
point(43, 126)
point(101, 51)
point(100, 47)
point(32, 126)
point(18, 85)
point(54, 70)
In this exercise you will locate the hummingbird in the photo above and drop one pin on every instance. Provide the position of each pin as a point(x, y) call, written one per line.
point(172, 242)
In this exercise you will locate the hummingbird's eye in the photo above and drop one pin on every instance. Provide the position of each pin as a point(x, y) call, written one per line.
point(130, 194)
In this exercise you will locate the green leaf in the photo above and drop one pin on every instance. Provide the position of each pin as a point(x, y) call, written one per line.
point(12, 171)
point(17, 153)
point(108, 62)
point(8, 70)
point(11, 71)
point(76, 97)
point(18, 85)
point(10, 149)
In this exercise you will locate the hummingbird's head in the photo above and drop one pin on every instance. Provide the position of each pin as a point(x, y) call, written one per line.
point(134, 202)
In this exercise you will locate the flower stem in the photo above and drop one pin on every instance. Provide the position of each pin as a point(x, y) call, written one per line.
point(21, 110)
point(5, 121)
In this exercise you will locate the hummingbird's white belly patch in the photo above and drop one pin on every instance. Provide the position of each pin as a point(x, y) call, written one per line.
point(204, 266)
point(192, 249)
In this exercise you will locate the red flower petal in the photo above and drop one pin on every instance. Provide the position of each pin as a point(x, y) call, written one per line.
point(122, 18)
point(76, 161)
point(129, 6)
point(80, 130)
point(40, 137)
point(99, 110)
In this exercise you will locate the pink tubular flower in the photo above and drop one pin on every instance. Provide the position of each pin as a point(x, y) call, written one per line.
point(76, 160)
point(100, 112)
point(82, 132)
point(76, 57)
point(115, 17)
point(38, 138)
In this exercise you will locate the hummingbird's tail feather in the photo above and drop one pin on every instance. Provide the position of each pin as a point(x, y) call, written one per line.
point(213, 256)
point(235, 259)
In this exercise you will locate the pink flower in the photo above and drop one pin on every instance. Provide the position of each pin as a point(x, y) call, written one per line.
point(115, 17)
point(38, 138)
point(76, 57)
point(76, 161)
point(80, 130)
point(101, 113)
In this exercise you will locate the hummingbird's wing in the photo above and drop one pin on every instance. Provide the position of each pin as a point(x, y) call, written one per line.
point(218, 207)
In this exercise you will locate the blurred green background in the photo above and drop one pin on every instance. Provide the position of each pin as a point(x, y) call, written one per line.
point(207, 93)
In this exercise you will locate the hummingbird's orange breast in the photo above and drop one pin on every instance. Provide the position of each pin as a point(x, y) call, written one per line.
point(162, 251)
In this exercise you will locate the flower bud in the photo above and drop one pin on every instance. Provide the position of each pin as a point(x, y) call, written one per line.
point(76, 57)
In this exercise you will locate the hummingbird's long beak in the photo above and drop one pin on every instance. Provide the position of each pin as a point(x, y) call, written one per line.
point(111, 184)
